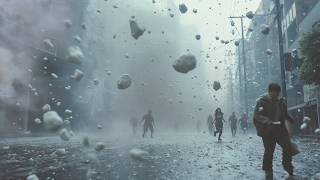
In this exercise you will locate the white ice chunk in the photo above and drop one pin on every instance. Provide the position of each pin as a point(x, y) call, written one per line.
point(32, 177)
point(46, 108)
point(74, 55)
point(52, 120)
point(138, 154)
point(77, 75)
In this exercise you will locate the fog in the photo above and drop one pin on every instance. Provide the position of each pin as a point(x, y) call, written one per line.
point(36, 36)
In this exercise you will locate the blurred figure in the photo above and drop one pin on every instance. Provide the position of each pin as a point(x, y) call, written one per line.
point(198, 126)
point(218, 121)
point(210, 124)
point(148, 123)
point(233, 124)
point(244, 123)
point(270, 115)
point(134, 124)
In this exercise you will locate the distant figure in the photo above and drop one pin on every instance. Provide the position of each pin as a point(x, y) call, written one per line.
point(218, 121)
point(210, 124)
point(134, 124)
point(244, 123)
point(148, 123)
point(233, 124)
point(198, 126)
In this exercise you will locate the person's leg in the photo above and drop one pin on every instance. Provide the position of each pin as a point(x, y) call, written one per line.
point(269, 144)
point(220, 132)
point(285, 143)
point(235, 130)
point(145, 128)
point(151, 130)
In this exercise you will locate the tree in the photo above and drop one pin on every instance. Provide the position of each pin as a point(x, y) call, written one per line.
point(310, 49)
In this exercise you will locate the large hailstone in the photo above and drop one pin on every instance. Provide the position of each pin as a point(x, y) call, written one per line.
point(52, 121)
point(46, 108)
point(183, 8)
point(185, 63)
point(216, 85)
point(269, 52)
point(124, 82)
point(265, 29)
point(99, 146)
point(74, 55)
point(250, 14)
point(77, 75)
point(136, 31)
point(303, 126)
point(138, 154)
point(32, 177)
point(306, 119)
point(317, 131)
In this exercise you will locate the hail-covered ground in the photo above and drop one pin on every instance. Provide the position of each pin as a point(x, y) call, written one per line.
point(166, 156)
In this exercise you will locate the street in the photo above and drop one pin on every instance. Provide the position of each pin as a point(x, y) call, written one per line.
point(169, 156)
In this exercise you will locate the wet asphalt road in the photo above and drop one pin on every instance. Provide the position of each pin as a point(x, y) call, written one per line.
point(170, 156)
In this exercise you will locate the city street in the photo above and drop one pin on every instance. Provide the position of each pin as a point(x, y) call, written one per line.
point(169, 156)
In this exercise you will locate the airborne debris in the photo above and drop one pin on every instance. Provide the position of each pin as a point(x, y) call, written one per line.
point(269, 52)
point(250, 14)
point(216, 85)
point(124, 82)
point(46, 108)
point(183, 8)
point(265, 29)
point(74, 55)
point(52, 121)
point(136, 31)
point(32, 177)
point(77, 75)
point(185, 63)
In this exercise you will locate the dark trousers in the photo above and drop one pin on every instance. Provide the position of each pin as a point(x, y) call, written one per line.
point(219, 128)
point(146, 127)
point(277, 134)
point(233, 130)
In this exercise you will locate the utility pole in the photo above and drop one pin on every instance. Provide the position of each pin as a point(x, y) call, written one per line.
point(282, 65)
point(240, 80)
point(244, 63)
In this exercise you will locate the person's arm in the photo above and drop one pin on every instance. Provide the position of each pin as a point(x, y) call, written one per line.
point(142, 120)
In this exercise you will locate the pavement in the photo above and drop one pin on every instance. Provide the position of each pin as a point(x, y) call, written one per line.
point(166, 156)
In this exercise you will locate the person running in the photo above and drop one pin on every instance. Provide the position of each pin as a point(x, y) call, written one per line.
point(270, 116)
point(134, 124)
point(244, 123)
point(210, 124)
point(218, 121)
point(148, 123)
point(233, 124)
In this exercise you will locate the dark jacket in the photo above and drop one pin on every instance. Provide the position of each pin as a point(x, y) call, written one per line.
point(265, 111)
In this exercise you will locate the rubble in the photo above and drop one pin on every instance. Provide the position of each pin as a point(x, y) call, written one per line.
point(136, 31)
point(185, 63)
point(124, 82)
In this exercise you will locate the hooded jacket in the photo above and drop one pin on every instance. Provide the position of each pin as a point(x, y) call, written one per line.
point(265, 112)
